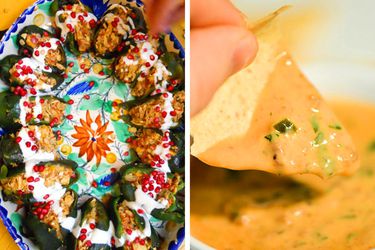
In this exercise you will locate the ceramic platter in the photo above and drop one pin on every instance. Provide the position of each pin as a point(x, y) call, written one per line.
point(117, 160)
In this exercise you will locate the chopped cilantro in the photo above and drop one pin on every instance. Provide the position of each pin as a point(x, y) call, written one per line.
point(335, 126)
point(268, 137)
point(285, 126)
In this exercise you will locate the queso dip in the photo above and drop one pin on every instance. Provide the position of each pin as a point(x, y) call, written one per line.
point(258, 210)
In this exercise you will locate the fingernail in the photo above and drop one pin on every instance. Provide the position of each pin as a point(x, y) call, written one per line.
point(245, 52)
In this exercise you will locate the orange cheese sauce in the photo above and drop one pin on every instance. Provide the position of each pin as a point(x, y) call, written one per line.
point(258, 210)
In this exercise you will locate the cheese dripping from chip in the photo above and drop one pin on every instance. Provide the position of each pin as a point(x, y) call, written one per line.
point(269, 117)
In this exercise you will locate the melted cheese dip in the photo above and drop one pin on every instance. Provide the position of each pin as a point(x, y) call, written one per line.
point(256, 210)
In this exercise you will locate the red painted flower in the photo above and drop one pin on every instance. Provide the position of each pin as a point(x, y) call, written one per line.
point(92, 141)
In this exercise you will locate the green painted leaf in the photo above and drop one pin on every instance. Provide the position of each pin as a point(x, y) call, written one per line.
point(104, 87)
point(77, 159)
point(102, 169)
point(121, 90)
point(65, 127)
point(121, 130)
point(16, 220)
point(108, 107)
point(94, 103)
point(45, 8)
point(14, 39)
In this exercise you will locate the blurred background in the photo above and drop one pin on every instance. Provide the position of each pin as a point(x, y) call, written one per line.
point(333, 41)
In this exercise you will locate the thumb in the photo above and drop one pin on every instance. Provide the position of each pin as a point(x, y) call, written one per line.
point(216, 53)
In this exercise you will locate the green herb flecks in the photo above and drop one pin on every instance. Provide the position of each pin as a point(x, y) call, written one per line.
point(285, 126)
point(371, 146)
point(314, 124)
point(321, 237)
point(335, 126)
point(350, 236)
point(349, 216)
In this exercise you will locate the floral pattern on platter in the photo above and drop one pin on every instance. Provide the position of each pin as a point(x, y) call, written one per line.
point(93, 95)
point(92, 138)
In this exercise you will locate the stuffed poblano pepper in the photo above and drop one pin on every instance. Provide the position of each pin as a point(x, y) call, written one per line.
point(24, 73)
point(29, 143)
point(116, 27)
point(37, 180)
point(132, 226)
point(30, 110)
point(75, 23)
point(45, 220)
point(39, 44)
point(143, 67)
point(162, 150)
point(154, 190)
point(163, 111)
point(93, 231)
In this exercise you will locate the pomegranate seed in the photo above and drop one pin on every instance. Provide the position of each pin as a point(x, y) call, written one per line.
point(82, 237)
point(30, 179)
point(34, 148)
point(31, 133)
point(32, 91)
point(70, 102)
point(170, 88)
point(39, 116)
point(83, 230)
point(18, 139)
point(41, 100)
point(28, 144)
point(37, 179)
point(31, 188)
point(48, 44)
point(73, 14)
point(142, 242)
point(87, 97)
point(51, 202)
point(129, 231)
point(107, 183)
point(87, 71)
point(92, 23)
point(164, 114)
point(94, 184)
point(36, 52)
point(173, 113)
point(88, 243)
point(101, 73)
point(92, 225)
point(41, 168)
point(71, 64)
point(82, 66)
point(80, 18)
point(92, 83)
point(69, 117)
point(152, 57)
point(148, 64)
point(46, 196)
point(140, 211)
point(65, 75)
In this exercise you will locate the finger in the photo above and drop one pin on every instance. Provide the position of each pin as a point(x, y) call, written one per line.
point(162, 14)
point(217, 53)
point(205, 13)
